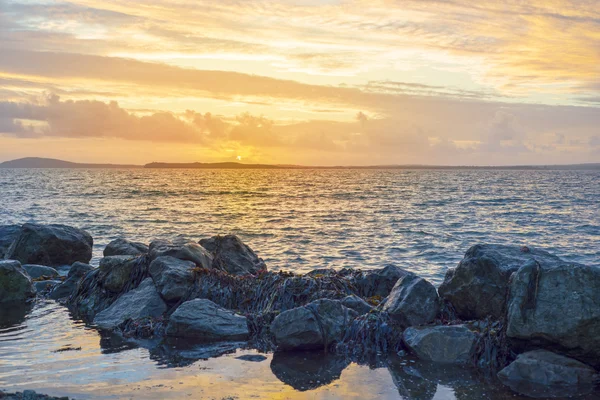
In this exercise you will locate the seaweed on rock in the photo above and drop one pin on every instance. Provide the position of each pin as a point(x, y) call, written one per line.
point(371, 334)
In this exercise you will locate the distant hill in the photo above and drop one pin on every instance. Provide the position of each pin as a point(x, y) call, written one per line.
point(36, 162)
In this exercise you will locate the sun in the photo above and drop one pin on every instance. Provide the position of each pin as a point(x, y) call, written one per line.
point(239, 158)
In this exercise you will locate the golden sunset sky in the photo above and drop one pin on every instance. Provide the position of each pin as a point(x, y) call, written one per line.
point(331, 82)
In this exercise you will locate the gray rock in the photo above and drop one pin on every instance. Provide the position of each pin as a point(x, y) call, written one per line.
point(230, 254)
point(183, 250)
point(413, 301)
point(117, 271)
point(39, 271)
point(76, 273)
point(173, 277)
point(8, 233)
point(379, 282)
point(450, 344)
point(477, 287)
point(541, 373)
point(557, 307)
point(357, 304)
point(124, 247)
point(203, 319)
point(15, 284)
point(141, 302)
point(44, 286)
point(313, 326)
point(51, 245)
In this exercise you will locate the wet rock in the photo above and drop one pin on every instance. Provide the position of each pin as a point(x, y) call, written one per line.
point(230, 254)
point(413, 301)
point(28, 395)
point(379, 282)
point(183, 250)
point(44, 286)
point(173, 277)
point(124, 247)
point(117, 271)
point(477, 287)
point(39, 271)
point(15, 284)
point(51, 245)
point(142, 302)
point(203, 319)
point(8, 233)
point(308, 370)
point(541, 373)
point(357, 304)
point(69, 286)
point(451, 344)
point(313, 326)
point(557, 306)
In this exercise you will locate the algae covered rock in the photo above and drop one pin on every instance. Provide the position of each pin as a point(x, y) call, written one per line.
point(51, 245)
point(183, 250)
point(230, 254)
point(15, 284)
point(173, 277)
point(124, 247)
point(449, 344)
point(203, 319)
point(357, 304)
point(477, 287)
point(117, 271)
point(378, 282)
point(69, 286)
point(413, 301)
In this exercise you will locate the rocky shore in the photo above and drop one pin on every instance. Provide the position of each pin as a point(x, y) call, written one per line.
point(520, 313)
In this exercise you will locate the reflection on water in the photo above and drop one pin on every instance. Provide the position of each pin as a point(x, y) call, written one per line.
point(303, 219)
point(45, 350)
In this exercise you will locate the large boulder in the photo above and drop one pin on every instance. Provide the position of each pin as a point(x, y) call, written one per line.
point(477, 287)
point(413, 301)
point(313, 326)
point(117, 271)
point(124, 247)
point(141, 302)
point(183, 250)
point(8, 233)
point(449, 344)
point(230, 254)
point(15, 284)
point(541, 373)
point(203, 319)
point(557, 307)
point(40, 271)
point(51, 245)
point(173, 277)
point(378, 282)
point(76, 273)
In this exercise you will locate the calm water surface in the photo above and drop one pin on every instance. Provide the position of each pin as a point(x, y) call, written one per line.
point(295, 219)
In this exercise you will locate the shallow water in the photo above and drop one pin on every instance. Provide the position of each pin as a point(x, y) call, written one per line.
point(295, 219)
point(422, 220)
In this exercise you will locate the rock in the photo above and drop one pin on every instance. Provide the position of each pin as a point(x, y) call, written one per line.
point(8, 233)
point(477, 287)
point(230, 254)
point(173, 277)
point(28, 395)
point(15, 284)
point(44, 286)
point(141, 302)
point(124, 247)
point(541, 373)
point(183, 250)
point(357, 304)
point(379, 282)
point(51, 245)
point(117, 271)
point(450, 344)
point(203, 319)
point(39, 271)
point(556, 306)
point(313, 326)
point(76, 273)
point(413, 301)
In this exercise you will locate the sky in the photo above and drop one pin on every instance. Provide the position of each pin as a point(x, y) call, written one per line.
point(331, 82)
